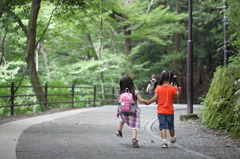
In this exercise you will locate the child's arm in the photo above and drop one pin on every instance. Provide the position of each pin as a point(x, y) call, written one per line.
point(118, 113)
point(147, 90)
point(140, 99)
point(179, 90)
point(153, 99)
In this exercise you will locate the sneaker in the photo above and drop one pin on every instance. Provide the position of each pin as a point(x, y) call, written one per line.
point(164, 145)
point(119, 133)
point(173, 139)
point(135, 143)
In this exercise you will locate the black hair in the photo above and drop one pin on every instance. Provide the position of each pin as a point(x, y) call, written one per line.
point(170, 77)
point(127, 83)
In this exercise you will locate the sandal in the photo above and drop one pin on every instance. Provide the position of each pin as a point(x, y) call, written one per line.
point(135, 143)
point(119, 133)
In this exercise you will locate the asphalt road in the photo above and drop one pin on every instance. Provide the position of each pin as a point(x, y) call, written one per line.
point(90, 135)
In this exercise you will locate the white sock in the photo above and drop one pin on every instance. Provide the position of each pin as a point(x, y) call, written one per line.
point(164, 140)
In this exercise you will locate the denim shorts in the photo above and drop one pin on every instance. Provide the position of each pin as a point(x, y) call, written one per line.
point(166, 121)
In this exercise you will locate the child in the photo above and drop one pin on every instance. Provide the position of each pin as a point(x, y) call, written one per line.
point(166, 92)
point(133, 121)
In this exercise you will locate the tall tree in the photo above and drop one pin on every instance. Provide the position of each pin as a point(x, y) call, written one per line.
point(31, 46)
point(30, 32)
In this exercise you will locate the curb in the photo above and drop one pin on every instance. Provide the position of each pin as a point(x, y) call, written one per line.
point(148, 130)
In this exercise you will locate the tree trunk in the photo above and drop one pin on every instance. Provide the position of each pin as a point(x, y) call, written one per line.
point(113, 40)
point(31, 45)
point(177, 36)
point(127, 41)
point(199, 73)
point(37, 58)
point(102, 85)
point(99, 57)
point(1, 51)
point(44, 52)
point(177, 39)
point(93, 51)
point(177, 42)
point(2, 46)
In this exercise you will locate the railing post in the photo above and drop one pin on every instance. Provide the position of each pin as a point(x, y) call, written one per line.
point(12, 98)
point(73, 95)
point(94, 95)
point(113, 95)
point(46, 96)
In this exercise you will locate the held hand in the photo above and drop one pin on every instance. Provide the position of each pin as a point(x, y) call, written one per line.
point(179, 89)
point(145, 102)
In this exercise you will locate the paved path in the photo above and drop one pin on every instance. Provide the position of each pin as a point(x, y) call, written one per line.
point(88, 134)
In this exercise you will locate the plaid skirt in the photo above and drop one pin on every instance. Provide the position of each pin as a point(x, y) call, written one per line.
point(133, 121)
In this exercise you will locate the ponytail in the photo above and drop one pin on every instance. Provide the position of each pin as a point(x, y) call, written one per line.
point(175, 82)
point(169, 76)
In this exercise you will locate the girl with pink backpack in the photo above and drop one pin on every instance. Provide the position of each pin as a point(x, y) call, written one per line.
point(128, 109)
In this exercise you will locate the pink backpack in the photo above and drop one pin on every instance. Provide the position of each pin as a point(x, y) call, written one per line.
point(126, 103)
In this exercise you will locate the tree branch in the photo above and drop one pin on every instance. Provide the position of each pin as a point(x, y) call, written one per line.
point(144, 21)
point(149, 6)
point(117, 16)
point(18, 20)
point(46, 26)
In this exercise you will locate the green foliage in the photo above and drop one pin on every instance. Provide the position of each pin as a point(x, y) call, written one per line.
point(234, 24)
point(11, 71)
point(221, 107)
point(85, 44)
point(234, 61)
point(213, 14)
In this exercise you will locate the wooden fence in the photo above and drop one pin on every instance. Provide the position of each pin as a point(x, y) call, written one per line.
point(91, 96)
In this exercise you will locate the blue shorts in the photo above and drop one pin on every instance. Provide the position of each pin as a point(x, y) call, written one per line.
point(166, 121)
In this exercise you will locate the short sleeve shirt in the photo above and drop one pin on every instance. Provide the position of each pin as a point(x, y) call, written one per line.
point(165, 98)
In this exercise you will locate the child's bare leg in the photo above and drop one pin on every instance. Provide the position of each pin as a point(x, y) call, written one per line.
point(172, 132)
point(163, 134)
point(134, 140)
point(120, 126)
point(164, 138)
point(134, 133)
